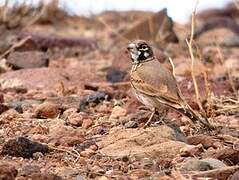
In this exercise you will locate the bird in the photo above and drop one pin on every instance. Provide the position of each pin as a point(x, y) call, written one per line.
point(155, 86)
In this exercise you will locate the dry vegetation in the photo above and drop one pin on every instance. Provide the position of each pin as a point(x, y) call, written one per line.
point(67, 112)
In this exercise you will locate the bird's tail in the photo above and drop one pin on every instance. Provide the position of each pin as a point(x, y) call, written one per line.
point(194, 117)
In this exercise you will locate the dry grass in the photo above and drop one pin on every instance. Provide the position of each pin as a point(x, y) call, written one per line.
point(23, 15)
point(230, 77)
point(190, 47)
point(225, 105)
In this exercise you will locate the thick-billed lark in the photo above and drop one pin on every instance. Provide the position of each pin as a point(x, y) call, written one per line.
point(155, 86)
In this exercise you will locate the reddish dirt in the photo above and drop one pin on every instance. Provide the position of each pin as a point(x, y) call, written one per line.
point(93, 127)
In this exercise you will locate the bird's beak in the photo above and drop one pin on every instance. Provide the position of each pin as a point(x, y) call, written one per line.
point(131, 47)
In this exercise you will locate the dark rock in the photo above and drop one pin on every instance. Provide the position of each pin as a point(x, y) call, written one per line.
point(23, 147)
point(114, 75)
point(28, 59)
point(94, 98)
point(7, 171)
point(3, 108)
point(1, 98)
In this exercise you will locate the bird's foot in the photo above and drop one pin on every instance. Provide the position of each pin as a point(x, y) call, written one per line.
point(150, 118)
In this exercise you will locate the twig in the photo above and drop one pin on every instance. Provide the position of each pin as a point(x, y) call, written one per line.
point(5, 11)
point(36, 18)
point(222, 59)
point(64, 150)
point(189, 43)
point(16, 45)
point(172, 64)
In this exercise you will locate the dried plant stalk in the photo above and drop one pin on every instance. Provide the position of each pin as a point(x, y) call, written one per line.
point(230, 77)
point(190, 44)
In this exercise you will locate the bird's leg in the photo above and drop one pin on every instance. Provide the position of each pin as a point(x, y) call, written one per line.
point(150, 118)
point(144, 108)
point(163, 116)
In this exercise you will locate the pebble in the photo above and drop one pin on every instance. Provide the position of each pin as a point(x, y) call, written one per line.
point(47, 110)
point(131, 124)
point(87, 123)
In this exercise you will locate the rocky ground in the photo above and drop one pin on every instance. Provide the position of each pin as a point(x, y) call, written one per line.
point(67, 110)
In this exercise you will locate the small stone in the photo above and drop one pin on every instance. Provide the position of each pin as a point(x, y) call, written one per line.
point(87, 153)
point(65, 135)
point(93, 147)
point(68, 172)
point(139, 174)
point(47, 110)
point(23, 147)
point(94, 98)
point(3, 108)
point(236, 145)
point(115, 75)
point(214, 163)
point(125, 158)
point(206, 141)
point(1, 98)
point(147, 163)
point(131, 124)
point(69, 112)
point(87, 123)
point(191, 150)
point(37, 155)
point(103, 178)
point(98, 170)
point(7, 171)
point(118, 112)
point(74, 118)
point(195, 165)
point(29, 169)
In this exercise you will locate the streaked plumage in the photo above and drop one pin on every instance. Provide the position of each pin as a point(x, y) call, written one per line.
point(154, 85)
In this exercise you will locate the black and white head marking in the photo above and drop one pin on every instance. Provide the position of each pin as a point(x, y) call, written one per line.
point(140, 51)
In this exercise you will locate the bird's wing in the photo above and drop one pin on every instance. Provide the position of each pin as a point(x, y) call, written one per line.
point(154, 80)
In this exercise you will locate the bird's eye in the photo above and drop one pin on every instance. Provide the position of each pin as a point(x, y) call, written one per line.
point(144, 47)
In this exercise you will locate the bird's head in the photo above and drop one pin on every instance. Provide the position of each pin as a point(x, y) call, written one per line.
point(140, 51)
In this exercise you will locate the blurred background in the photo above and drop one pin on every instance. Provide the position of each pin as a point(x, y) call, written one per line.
point(64, 82)
point(81, 7)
